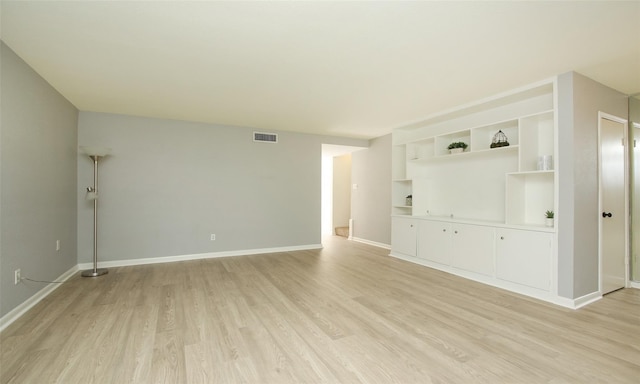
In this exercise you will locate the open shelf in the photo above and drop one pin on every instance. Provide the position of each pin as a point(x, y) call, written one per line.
point(443, 141)
point(537, 137)
point(398, 162)
point(529, 195)
point(401, 188)
point(482, 137)
point(420, 150)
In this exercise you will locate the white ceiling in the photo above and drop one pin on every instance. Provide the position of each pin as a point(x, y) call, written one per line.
point(354, 69)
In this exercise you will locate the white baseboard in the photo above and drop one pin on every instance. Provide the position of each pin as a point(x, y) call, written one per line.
point(634, 284)
point(369, 242)
point(20, 310)
point(577, 303)
point(197, 256)
point(586, 299)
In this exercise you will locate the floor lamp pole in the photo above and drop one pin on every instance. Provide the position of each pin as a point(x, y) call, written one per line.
point(93, 195)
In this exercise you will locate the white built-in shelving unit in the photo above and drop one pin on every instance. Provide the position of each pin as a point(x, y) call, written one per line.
point(481, 213)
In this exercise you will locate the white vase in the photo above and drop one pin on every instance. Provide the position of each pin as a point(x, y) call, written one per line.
point(549, 222)
point(456, 150)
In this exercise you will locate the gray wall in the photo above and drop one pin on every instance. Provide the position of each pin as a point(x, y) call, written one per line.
point(38, 141)
point(634, 109)
point(170, 184)
point(371, 202)
point(564, 218)
point(580, 100)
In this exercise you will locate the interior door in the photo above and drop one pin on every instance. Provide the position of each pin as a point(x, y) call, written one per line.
point(613, 204)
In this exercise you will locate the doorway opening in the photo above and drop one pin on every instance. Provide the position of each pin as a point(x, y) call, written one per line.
point(336, 189)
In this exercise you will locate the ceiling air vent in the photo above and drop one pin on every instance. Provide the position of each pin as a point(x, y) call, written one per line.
point(265, 137)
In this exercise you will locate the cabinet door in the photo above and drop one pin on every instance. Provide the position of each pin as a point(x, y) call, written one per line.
point(473, 248)
point(434, 241)
point(403, 235)
point(524, 257)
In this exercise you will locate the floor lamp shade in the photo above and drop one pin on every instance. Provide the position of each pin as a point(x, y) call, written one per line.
point(95, 153)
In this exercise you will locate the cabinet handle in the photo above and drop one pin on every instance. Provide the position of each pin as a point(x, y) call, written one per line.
point(605, 214)
point(501, 237)
point(411, 225)
point(444, 230)
point(455, 231)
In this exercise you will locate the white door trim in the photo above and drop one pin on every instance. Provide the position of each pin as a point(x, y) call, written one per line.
point(632, 188)
point(603, 115)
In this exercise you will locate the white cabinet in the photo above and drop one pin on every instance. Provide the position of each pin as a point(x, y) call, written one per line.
point(473, 248)
point(463, 246)
point(403, 236)
point(518, 259)
point(524, 257)
point(434, 241)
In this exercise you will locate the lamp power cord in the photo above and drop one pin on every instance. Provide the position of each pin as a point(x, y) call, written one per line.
point(40, 281)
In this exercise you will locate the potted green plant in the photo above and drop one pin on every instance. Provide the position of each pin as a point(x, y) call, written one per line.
point(409, 201)
point(457, 147)
point(549, 215)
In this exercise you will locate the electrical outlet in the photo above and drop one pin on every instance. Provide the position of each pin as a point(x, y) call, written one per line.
point(16, 276)
point(213, 237)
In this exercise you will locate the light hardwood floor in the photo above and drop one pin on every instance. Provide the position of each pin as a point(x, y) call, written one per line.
point(344, 314)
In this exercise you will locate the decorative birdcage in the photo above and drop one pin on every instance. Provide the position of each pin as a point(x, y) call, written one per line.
point(499, 140)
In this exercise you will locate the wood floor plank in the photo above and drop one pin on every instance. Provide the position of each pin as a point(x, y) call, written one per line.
point(347, 313)
point(168, 362)
point(305, 360)
point(139, 339)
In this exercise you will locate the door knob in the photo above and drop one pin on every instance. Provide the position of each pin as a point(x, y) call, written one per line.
point(605, 214)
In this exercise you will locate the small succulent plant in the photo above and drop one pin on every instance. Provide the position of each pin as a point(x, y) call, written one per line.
point(457, 144)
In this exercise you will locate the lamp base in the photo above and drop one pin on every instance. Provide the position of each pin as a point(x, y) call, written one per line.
point(96, 273)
